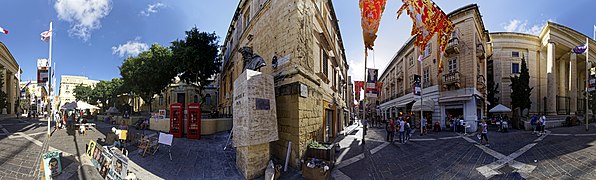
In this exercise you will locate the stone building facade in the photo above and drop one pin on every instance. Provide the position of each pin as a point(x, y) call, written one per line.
point(68, 84)
point(557, 75)
point(301, 44)
point(459, 91)
point(12, 72)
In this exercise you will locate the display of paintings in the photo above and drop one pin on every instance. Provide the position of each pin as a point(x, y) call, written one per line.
point(119, 166)
point(97, 156)
point(91, 149)
point(106, 165)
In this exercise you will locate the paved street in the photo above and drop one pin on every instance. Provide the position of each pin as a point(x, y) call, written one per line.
point(20, 147)
point(565, 153)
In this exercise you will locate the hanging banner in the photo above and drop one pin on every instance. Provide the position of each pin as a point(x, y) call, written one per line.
point(371, 12)
point(428, 19)
point(371, 78)
point(358, 85)
point(372, 92)
point(416, 86)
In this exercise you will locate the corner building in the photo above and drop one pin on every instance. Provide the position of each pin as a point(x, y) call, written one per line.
point(311, 82)
point(557, 75)
point(459, 91)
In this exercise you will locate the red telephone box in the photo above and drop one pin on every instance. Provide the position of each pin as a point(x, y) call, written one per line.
point(194, 121)
point(176, 120)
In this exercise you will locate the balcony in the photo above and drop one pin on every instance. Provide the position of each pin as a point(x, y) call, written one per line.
point(452, 46)
point(451, 80)
point(480, 51)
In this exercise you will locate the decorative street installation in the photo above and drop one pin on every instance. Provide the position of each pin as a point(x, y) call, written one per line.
point(428, 19)
point(370, 12)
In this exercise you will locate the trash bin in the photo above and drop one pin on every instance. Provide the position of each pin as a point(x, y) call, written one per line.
point(52, 164)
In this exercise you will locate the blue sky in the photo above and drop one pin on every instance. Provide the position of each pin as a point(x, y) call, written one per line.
point(96, 42)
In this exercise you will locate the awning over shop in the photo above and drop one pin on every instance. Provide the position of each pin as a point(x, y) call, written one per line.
point(401, 105)
point(426, 105)
point(455, 98)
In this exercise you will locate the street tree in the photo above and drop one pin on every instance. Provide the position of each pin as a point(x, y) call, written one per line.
point(83, 93)
point(195, 58)
point(25, 102)
point(520, 88)
point(106, 91)
point(148, 73)
point(493, 91)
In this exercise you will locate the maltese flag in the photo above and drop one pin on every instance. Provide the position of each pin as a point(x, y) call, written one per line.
point(2, 30)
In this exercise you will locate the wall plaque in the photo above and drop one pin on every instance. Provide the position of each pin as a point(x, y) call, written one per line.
point(262, 104)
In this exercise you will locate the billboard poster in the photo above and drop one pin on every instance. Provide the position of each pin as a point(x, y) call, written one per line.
point(371, 77)
point(42, 76)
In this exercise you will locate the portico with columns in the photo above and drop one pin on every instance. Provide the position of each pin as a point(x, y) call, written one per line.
point(11, 71)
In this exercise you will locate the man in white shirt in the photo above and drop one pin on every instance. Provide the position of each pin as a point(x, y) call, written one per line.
point(542, 124)
point(402, 137)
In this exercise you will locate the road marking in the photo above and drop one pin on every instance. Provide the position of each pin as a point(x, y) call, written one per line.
point(351, 161)
point(4, 130)
point(378, 148)
point(560, 134)
point(453, 137)
point(427, 139)
point(337, 174)
point(341, 156)
point(585, 135)
point(20, 135)
point(523, 169)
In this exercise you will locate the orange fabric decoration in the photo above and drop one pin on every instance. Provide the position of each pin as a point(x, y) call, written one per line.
point(371, 12)
point(428, 19)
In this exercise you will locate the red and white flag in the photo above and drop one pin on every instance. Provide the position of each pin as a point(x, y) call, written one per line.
point(2, 30)
point(46, 35)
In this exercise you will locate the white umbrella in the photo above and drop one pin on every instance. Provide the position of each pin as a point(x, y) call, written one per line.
point(499, 109)
point(426, 105)
point(112, 110)
point(78, 105)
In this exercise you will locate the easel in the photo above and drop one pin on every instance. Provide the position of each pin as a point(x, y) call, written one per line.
point(228, 142)
point(165, 139)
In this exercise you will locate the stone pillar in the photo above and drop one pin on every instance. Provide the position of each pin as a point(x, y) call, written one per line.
point(254, 122)
point(563, 86)
point(551, 82)
point(573, 82)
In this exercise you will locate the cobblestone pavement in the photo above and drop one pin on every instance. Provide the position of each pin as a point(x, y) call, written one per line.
point(21, 142)
point(191, 159)
point(564, 153)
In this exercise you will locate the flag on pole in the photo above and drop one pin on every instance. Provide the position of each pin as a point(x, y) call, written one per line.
point(2, 30)
point(46, 35)
point(580, 49)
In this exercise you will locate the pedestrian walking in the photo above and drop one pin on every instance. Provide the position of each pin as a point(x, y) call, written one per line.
point(533, 123)
point(542, 124)
point(402, 127)
point(408, 131)
point(390, 130)
point(423, 124)
point(484, 134)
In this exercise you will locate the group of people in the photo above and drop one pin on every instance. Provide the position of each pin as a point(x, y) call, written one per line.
point(458, 124)
point(403, 126)
point(538, 124)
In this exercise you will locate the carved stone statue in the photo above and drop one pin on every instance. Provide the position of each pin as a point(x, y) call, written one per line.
point(251, 61)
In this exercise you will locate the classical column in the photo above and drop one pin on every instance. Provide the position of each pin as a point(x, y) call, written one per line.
point(551, 89)
point(573, 82)
point(562, 77)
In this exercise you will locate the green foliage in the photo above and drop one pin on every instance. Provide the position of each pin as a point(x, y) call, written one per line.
point(148, 73)
point(196, 58)
point(493, 90)
point(25, 102)
point(3, 95)
point(83, 93)
point(520, 88)
point(105, 91)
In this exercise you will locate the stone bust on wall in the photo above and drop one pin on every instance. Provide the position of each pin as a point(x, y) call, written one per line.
point(251, 60)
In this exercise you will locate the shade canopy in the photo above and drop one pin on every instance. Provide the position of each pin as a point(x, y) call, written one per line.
point(499, 109)
point(112, 110)
point(426, 105)
point(78, 105)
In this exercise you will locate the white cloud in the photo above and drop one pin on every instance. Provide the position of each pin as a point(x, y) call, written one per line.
point(516, 25)
point(83, 15)
point(152, 8)
point(130, 48)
